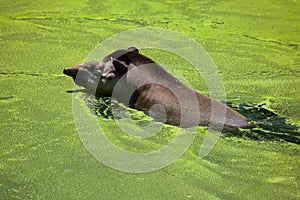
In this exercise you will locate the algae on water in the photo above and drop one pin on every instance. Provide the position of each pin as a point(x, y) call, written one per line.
point(254, 45)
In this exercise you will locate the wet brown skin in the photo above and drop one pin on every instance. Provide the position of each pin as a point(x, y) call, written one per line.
point(150, 85)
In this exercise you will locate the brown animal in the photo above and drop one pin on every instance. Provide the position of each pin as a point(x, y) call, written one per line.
point(140, 83)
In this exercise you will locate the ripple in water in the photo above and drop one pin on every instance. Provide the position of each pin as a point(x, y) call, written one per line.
point(269, 125)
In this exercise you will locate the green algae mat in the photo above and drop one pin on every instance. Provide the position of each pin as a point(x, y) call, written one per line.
point(256, 49)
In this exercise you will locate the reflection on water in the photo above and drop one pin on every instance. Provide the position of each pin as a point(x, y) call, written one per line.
point(104, 106)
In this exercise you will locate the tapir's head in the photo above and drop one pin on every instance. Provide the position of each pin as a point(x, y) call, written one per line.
point(101, 76)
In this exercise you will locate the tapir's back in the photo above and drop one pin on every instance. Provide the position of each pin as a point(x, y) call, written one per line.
point(178, 99)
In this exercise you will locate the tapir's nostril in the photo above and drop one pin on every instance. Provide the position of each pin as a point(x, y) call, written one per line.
point(69, 71)
point(66, 71)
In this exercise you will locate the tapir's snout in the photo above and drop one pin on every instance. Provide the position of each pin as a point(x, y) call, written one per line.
point(71, 71)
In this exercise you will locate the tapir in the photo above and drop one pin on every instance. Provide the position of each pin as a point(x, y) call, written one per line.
point(141, 83)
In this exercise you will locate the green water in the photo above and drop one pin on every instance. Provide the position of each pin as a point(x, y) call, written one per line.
point(255, 46)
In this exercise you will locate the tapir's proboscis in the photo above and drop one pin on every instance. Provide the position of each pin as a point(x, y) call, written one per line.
point(152, 89)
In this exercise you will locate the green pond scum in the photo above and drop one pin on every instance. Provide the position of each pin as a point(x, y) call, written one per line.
point(255, 45)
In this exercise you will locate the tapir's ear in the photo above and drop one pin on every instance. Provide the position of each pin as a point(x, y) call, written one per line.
point(121, 67)
point(129, 55)
point(125, 58)
point(133, 48)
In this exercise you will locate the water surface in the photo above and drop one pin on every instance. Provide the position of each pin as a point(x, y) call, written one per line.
point(255, 46)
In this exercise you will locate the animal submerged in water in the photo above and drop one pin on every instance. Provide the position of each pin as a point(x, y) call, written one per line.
point(141, 83)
